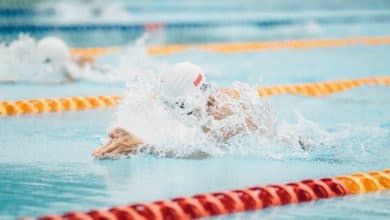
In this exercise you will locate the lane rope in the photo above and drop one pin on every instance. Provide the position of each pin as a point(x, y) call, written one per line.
point(9, 108)
point(57, 104)
point(241, 47)
point(240, 200)
point(322, 88)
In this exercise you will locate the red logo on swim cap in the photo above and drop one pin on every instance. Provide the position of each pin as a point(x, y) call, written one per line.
point(198, 79)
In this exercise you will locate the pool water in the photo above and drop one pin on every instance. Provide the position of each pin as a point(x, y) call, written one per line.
point(45, 159)
point(46, 165)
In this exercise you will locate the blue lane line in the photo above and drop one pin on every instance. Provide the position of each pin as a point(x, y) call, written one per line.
point(24, 12)
point(30, 12)
point(269, 23)
point(12, 28)
point(11, 12)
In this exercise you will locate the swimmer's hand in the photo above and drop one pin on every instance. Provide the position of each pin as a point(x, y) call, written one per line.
point(121, 142)
point(84, 60)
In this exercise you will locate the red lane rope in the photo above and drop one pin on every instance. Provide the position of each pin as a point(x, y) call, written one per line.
point(254, 198)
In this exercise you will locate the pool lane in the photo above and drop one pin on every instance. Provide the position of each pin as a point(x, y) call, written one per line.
point(256, 68)
point(46, 165)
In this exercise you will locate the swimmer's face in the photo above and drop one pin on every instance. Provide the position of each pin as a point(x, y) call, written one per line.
point(179, 106)
point(189, 104)
point(52, 58)
point(53, 54)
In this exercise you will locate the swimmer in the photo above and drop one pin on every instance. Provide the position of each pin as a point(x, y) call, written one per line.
point(45, 61)
point(54, 53)
point(48, 61)
point(182, 81)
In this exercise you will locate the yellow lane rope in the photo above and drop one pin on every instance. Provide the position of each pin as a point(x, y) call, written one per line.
point(90, 102)
point(56, 104)
point(241, 47)
point(93, 52)
point(359, 183)
point(322, 88)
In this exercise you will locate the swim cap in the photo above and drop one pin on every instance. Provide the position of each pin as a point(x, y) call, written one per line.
point(183, 80)
point(53, 50)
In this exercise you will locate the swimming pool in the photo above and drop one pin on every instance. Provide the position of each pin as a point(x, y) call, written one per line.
point(46, 167)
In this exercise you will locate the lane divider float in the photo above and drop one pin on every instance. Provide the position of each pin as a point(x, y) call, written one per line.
point(322, 88)
point(248, 199)
point(241, 47)
point(8, 108)
point(57, 104)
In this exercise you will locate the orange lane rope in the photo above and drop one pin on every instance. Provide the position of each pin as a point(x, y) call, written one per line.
point(93, 52)
point(240, 200)
point(241, 47)
point(322, 88)
point(57, 104)
point(90, 102)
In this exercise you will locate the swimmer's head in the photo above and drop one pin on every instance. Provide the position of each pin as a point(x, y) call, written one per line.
point(52, 50)
point(183, 86)
point(183, 80)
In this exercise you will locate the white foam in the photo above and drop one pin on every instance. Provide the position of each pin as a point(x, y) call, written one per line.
point(26, 60)
point(171, 132)
point(127, 64)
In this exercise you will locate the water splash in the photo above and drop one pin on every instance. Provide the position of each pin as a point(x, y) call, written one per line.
point(171, 132)
point(131, 61)
point(23, 61)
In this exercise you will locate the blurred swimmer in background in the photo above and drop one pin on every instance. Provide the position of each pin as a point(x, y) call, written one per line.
point(26, 60)
point(49, 61)
point(185, 91)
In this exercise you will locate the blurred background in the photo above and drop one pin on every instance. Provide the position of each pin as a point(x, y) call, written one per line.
point(91, 23)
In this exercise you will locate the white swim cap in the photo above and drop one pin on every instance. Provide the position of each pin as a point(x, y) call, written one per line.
point(183, 80)
point(53, 50)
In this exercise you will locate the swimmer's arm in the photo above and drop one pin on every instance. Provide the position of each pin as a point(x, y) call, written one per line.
point(248, 124)
point(228, 133)
point(221, 112)
point(231, 92)
point(84, 60)
point(69, 77)
point(121, 143)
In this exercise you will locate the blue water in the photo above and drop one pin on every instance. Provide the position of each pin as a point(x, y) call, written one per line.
point(46, 165)
point(255, 68)
point(200, 21)
point(45, 162)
